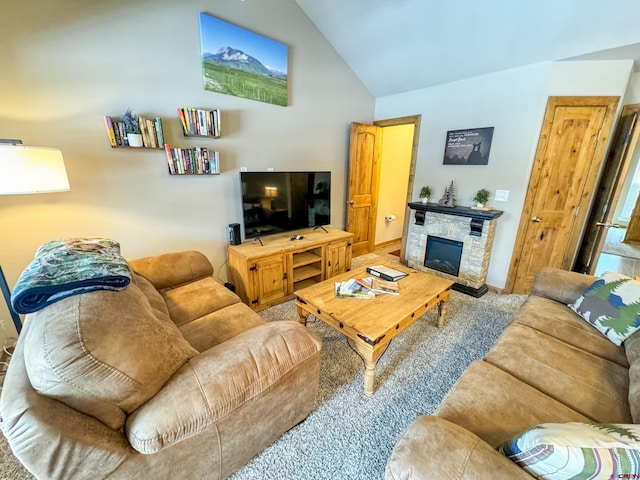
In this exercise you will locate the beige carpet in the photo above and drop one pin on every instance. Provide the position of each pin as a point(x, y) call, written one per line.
point(613, 244)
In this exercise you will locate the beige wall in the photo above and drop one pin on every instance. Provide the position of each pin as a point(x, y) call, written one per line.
point(397, 142)
point(67, 63)
point(513, 102)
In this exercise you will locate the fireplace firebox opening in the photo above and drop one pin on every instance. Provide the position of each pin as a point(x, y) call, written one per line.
point(443, 255)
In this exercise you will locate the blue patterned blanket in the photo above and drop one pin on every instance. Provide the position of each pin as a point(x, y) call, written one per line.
point(71, 266)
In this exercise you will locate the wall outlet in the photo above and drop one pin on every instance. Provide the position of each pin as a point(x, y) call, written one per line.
point(501, 195)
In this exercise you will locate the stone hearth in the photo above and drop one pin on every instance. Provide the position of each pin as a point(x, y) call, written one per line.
point(474, 228)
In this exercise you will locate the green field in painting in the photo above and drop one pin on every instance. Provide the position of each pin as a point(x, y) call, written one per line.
point(233, 81)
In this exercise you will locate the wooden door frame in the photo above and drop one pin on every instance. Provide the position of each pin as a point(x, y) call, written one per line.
point(536, 176)
point(615, 171)
point(392, 122)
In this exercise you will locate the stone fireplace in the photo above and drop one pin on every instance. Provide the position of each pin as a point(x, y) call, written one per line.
point(454, 243)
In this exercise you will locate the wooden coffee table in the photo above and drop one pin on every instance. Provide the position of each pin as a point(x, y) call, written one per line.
point(372, 323)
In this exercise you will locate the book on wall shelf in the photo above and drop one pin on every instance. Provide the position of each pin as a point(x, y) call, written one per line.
point(150, 129)
point(192, 161)
point(198, 122)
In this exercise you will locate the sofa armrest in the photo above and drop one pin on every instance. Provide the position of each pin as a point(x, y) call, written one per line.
point(173, 269)
point(219, 380)
point(33, 425)
point(560, 285)
point(434, 448)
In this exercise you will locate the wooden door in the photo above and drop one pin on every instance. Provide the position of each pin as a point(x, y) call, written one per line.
point(364, 167)
point(610, 185)
point(632, 235)
point(570, 152)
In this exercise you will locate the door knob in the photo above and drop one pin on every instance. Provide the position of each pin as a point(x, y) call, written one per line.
point(351, 202)
point(536, 219)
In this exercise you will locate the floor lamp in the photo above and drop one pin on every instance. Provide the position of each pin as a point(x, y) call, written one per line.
point(28, 170)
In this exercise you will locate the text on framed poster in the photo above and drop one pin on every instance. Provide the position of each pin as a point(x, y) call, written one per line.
point(468, 147)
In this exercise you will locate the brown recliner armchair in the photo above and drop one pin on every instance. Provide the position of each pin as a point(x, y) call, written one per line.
point(171, 377)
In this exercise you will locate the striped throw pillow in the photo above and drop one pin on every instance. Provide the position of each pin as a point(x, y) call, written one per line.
point(563, 451)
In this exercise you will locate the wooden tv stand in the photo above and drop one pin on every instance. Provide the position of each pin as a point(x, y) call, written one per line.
point(269, 273)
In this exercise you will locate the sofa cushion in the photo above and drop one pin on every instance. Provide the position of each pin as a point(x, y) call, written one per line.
point(495, 406)
point(632, 350)
point(219, 326)
point(612, 305)
point(432, 447)
point(591, 385)
point(172, 269)
point(555, 319)
point(104, 353)
point(577, 450)
point(197, 299)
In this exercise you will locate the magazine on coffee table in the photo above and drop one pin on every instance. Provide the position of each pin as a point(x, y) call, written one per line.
point(352, 289)
point(386, 273)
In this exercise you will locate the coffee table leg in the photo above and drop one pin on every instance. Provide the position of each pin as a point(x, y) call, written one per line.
point(442, 313)
point(303, 315)
point(369, 377)
point(370, 359)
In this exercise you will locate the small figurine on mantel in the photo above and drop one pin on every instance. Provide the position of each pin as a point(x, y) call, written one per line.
point(449, 197)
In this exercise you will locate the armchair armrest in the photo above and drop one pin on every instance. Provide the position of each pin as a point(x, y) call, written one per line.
point(434, 448)
point(173, 269)
point(560, 285)
point(219, 380)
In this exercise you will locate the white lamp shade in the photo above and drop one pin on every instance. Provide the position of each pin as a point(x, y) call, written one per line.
point(31, 170)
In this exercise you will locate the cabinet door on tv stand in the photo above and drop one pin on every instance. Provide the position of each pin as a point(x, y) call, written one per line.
point(338, 258)
point(269, 280)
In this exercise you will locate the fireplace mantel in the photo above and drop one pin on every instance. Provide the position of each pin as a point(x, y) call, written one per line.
point(477, 216)
point(460, 211)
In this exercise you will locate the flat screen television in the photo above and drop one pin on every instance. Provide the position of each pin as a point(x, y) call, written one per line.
point(275, 202)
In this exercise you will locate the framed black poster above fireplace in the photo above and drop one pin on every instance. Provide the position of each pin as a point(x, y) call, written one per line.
point(468, 147)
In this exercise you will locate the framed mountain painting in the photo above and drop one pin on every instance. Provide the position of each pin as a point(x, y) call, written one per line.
point(236, 61)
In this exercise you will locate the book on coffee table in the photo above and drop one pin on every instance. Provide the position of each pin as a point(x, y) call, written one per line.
point(386, 273)
point(379, 286)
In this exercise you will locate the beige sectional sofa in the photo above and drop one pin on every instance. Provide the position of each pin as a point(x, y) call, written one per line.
point(549, 366)
point(171, 377)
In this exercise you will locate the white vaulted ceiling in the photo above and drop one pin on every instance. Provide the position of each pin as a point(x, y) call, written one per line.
point(395, 46)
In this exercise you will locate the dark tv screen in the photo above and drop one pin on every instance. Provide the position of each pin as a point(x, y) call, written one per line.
point(275, 202)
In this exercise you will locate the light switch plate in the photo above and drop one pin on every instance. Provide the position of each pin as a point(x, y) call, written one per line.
point(501, 195)
point(243, 169)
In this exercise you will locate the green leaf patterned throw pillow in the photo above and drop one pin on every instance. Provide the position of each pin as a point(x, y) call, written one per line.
point(563, 451)
point(612, 305)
